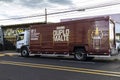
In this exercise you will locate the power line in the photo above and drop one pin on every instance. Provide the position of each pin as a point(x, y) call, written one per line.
point(44, 14)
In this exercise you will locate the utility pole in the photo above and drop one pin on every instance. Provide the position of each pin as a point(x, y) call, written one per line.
point(45, 15)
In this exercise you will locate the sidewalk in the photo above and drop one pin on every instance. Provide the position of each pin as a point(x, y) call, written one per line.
point(8, 53)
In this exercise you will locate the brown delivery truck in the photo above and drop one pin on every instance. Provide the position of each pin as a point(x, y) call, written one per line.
point(85, 38)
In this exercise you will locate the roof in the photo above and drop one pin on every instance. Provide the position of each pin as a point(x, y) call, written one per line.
point(25, 24)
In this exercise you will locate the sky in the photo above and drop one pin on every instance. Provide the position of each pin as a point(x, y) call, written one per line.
point(22, 8)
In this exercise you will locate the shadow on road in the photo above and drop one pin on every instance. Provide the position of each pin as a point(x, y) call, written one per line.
point(71, 58)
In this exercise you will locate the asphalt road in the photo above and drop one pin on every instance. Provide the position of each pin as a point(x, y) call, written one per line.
point(14, 67)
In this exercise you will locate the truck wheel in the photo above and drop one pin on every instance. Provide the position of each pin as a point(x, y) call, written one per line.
point(24, 52)
point(80, 54)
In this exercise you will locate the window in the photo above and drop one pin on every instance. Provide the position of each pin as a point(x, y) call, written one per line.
point(20, 37)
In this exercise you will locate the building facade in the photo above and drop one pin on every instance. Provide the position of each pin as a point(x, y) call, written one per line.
point(8, 35)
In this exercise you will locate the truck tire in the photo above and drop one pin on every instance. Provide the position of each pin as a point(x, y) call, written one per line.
point(24, 52)
point(80, 54)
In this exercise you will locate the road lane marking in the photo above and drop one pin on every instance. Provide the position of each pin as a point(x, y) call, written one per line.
point(71, 69)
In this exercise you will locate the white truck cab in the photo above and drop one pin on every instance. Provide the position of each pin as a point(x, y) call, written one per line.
point(23, 39)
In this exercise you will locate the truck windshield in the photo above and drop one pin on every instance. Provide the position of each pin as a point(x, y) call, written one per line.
point(20, 37)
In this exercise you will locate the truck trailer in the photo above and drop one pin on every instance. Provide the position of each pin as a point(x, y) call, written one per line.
point(85, 39)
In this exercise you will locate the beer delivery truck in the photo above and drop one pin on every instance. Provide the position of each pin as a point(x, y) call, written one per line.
point(85, 39)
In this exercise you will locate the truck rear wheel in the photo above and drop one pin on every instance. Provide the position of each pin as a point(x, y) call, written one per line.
point(80, 54)
point(24, 52)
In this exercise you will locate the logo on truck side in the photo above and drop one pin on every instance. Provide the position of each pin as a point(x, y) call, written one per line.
point(61, 34)
point(34, 34)
point(97, 36)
